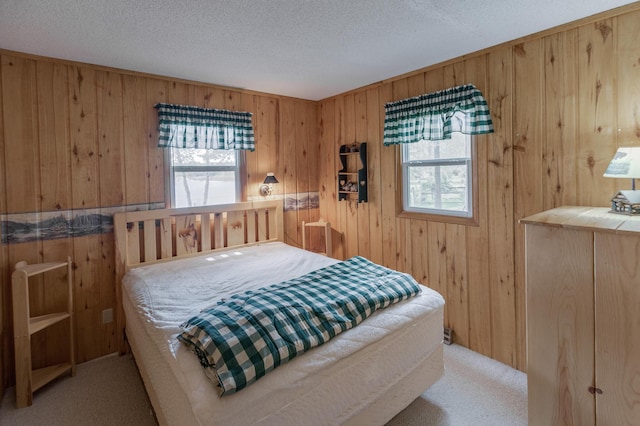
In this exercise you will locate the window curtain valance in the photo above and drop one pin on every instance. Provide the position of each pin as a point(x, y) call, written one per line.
point(204, 128)
point(431, 116)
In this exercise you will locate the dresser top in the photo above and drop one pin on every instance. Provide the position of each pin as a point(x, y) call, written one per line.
point(587, 218)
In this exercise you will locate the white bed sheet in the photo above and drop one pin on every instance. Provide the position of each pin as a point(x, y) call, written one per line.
point(331, 383)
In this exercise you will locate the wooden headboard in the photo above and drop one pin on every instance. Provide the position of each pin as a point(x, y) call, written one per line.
point(153, 236)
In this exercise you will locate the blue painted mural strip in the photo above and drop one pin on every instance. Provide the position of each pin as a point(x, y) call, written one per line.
point(25, 227)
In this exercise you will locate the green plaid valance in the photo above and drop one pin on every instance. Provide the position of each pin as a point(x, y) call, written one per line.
point(204, 128)
point(434, 116)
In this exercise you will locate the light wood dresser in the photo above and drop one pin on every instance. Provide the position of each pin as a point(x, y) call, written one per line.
point(583, 317)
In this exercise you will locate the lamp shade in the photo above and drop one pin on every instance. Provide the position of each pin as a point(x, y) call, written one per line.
point(270, 178)
point(625, 164)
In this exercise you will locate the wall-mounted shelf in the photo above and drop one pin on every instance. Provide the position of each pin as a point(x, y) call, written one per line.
point(352, 177)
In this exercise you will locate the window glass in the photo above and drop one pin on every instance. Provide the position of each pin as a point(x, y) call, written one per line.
point(437, 176)
point(204, 177)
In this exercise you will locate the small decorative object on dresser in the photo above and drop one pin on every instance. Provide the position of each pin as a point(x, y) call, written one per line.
point(25, 325)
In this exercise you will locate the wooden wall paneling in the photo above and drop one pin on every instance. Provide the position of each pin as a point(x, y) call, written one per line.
point(457, 283)
point(136, 155)
point(456, 251)
point(298, 163)
point(288, 152)
point(375, 112)
point(312, 165)
point(266, 122)
point(500, 202)
point(85, 194)
point(110, 138)
point(53, 131)
point(560, 124)
point(437, 262)
point(251, 179)
point(387, 187)
point(374, 146)
point(21, 134)
point(628, 79)
point(454, 74)
point(84, 138)
point(4, 265)
point(232, 99)
point(477, 245)
point(109, 334)
point(87, 257)
point(156, 92)
point(179, 93)
point(597, 111)
point(350, 223)
point(340, 251)
point(419, 251)
point(528, 164)
point(560, 139)
point(328, 171)
point(55, 293)
point(313, 146)
point(400, 91)
point(361, 133)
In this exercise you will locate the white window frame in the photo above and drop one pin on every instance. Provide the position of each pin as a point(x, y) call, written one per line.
point(206, 168)
point(442, 215)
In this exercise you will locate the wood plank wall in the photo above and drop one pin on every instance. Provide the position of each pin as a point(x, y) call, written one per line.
point(75, 136)
point(562, 101)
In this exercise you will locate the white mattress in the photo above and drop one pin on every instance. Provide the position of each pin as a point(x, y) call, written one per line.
point(328, 385)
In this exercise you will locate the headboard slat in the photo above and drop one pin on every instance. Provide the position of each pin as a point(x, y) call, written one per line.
point(150, 247)
point(205, 232)
point(173, 233)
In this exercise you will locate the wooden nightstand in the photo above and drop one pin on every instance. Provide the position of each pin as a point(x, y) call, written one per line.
point(24, 326)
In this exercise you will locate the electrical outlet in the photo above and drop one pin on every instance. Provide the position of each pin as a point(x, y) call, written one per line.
point(107, 316)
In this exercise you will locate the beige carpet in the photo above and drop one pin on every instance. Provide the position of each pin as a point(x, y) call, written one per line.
point(475, 390)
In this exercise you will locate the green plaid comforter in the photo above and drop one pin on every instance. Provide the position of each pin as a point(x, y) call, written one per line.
point(249, 334)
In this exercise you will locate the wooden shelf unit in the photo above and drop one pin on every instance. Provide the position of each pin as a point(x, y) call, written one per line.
point(29, 380)
point(352, 176)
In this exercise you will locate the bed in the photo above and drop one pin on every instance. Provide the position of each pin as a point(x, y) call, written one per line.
point(172, 263)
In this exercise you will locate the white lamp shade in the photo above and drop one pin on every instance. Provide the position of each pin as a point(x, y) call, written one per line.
point(625, 164)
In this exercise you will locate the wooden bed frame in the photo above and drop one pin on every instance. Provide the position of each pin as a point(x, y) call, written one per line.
point(152, 236)
point(147, 237)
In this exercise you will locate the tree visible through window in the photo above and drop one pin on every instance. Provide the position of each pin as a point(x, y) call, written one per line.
point(437, 176)
point(204, 177)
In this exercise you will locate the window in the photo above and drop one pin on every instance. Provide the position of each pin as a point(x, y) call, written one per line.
point(437, 176)
point(204, 176)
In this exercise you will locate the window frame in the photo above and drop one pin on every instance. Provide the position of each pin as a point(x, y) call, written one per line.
point(239, 168)
point(401, 191)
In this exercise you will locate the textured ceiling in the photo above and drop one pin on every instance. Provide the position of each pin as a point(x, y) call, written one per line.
point(310, 49)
